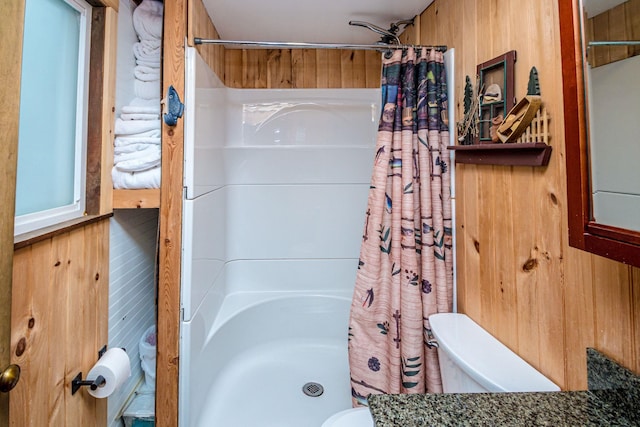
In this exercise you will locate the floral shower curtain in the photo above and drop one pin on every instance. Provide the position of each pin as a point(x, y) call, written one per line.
point(405, 271)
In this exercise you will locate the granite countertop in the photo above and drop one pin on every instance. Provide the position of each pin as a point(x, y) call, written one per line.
point(613, 398)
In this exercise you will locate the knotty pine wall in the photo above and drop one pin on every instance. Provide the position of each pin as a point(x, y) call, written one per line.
point(517, 276)
point(56, 327)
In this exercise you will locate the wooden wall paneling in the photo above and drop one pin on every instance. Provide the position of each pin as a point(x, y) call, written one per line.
point(411, 34)
point(98, 278)
point(84, 320)
point(27, 325)
point(502, 290)
point(233, 68)
point(168, 326)
point(302, 68)
point(297, 68)
point(579, 323)
point(322, 68)
point(632, 15)
point(57, 332)
point(352, 68)
point(279, 68)
point(635, 291)
point(618, 31)
point(254, 70)
point(58, 325)
point(373, 68)
point(334, 70)
point(310, 68)
point(549, 186)
point(530, 260)
point(199, 25)
point(613, 310)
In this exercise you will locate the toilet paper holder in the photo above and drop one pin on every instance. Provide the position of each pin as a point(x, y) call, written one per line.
point(78, 382)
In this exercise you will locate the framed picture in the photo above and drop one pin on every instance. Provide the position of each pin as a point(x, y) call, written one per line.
point(497, 96)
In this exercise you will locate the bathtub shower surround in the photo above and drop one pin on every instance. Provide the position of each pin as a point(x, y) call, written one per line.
point(276, 186)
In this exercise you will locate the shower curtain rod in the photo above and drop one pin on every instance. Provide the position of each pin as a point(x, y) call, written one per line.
point(297, 45)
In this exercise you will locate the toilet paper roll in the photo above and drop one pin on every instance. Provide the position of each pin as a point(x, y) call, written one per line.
point(115, 367)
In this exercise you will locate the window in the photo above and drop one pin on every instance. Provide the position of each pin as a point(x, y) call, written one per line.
point(51, 172)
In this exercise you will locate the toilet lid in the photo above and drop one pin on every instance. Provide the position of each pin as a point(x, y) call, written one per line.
point(354, 417)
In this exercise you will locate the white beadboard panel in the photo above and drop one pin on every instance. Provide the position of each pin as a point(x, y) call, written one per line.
point(295, 221)
point(132, 292)
point(299, 165)
point(203, 246)
point(205, 127)
point(324, 117)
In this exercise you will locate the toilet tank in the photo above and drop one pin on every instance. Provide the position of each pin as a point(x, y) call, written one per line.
point(473, 361)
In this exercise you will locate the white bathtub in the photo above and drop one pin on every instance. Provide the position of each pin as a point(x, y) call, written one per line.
point(248, 363)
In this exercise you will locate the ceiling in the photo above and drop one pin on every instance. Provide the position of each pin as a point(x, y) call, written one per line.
point(310, 21)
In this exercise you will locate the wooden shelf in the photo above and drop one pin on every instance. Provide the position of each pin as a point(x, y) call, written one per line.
point(510, 154)
point(136, 199)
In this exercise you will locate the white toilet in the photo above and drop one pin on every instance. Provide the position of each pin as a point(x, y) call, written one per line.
point(471, 361)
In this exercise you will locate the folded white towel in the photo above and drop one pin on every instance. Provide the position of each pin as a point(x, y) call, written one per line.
point(138, 160)
point(149, 62)
point(147, 90)
point(146, 74)
point(148, 50)
point(151, 152)
point(150, 137)
point(140, 105)
point(134, 127)
point(149, 178)
point(147, 20)
point(139, 116)
point(132, 148)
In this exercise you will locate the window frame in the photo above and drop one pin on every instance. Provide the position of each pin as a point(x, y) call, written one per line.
point(100, 119)
point(34, 221)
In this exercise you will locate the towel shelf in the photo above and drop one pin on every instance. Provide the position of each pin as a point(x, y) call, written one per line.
point(136, 199)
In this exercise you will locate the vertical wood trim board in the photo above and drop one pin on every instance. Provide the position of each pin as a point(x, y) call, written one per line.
point(10, 70)
point(132, 291)
point(101, 110)
point(175, 32)
point(58, 325)
point(517, 275)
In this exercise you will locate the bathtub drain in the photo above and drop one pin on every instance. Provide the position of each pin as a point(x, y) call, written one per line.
point(312, 389)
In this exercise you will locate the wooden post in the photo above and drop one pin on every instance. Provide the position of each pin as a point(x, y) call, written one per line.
point(175, 32)
point(10, 69)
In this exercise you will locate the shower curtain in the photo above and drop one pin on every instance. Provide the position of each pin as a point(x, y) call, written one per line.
point(405, 271)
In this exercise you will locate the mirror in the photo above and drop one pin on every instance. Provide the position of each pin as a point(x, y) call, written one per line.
point(602, 126)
